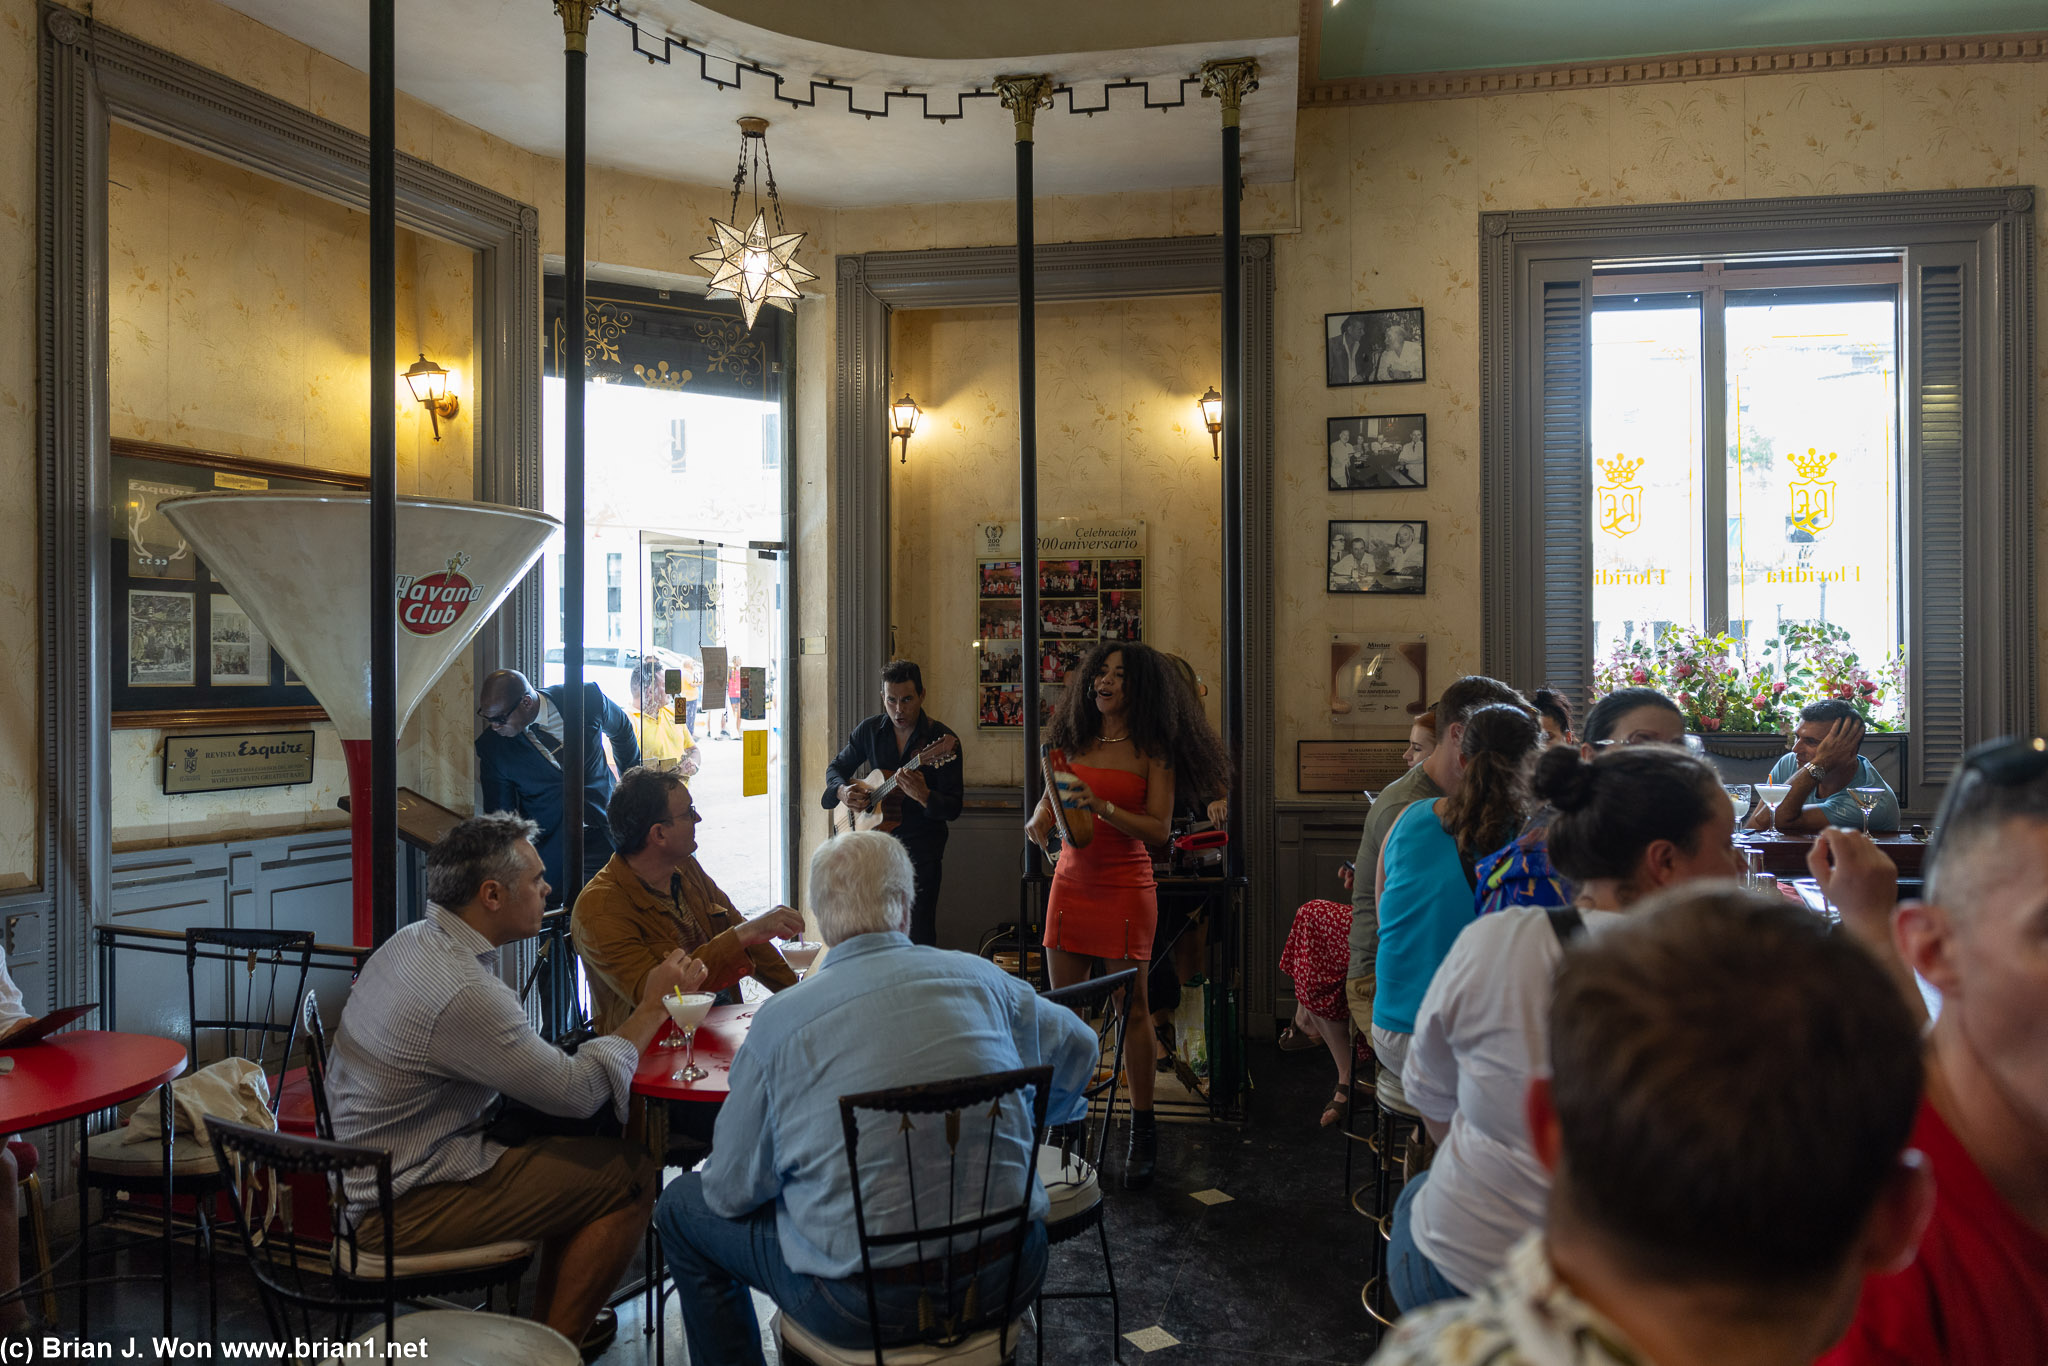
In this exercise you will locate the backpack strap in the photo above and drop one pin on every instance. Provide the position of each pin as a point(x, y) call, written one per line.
point(1566, 923)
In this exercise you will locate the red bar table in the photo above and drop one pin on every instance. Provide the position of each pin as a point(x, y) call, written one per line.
point(75, 1074)
point(718, 1039)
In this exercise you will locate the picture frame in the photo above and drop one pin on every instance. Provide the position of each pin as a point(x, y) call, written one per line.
point(1385, 452)
point(1384, 556)
point(182, 651)
point(1373, 346)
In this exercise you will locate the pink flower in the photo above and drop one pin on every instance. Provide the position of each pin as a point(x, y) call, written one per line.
point(1777, 689)
point(1685, 700)
point(1639, 676)
point(1710, 723)
point(1867, 686)
point(1759, 701)
point(1683, 671)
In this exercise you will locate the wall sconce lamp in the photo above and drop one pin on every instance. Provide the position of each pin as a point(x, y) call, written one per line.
point(903, 416)
point(1212, 418)
point(429, 385)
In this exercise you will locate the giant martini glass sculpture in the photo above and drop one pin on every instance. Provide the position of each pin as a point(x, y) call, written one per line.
point(296, 563)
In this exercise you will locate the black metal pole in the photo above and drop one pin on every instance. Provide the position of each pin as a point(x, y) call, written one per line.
point(1023, 95)
point(575, 27)
point(1230, 81)
point(383, 475)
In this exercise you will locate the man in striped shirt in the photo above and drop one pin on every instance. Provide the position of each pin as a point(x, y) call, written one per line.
point(431, 1039)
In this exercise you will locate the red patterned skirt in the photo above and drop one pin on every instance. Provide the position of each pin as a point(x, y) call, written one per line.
point(1318, 957)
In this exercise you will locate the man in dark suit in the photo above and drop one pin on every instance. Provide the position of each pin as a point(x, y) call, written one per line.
point(519, 764)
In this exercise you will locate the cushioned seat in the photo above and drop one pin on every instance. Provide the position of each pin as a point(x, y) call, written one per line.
point(367, 1265)
point(1071, 1183)
point(112, 1155)
point(26, 1159)
point(983, 1349)
point(458, 1337)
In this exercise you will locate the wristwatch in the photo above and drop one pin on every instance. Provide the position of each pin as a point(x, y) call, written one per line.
point(1815, 771)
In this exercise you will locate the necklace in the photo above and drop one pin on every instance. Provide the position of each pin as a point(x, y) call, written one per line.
point(1113, 739)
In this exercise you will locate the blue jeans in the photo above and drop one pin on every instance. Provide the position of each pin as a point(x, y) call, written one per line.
point(714, 1260)
point(1412, 1277)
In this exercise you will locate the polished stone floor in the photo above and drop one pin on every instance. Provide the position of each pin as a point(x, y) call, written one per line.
point(1269, 1275)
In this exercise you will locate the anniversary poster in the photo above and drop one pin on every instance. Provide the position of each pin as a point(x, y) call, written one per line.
point(1091, 586)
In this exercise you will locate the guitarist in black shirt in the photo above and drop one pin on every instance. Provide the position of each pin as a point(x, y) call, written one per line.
point(920, 800)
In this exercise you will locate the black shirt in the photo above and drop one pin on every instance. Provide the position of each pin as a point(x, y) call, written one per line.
point(873, 743)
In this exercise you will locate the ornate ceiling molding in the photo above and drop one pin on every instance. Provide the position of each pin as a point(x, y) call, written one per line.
point(1689, 66)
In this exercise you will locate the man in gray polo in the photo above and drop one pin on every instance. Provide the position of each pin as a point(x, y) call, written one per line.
point(431, 1039)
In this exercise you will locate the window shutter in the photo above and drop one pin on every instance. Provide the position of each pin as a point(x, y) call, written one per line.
point(1551, 493)
point(1936, 432)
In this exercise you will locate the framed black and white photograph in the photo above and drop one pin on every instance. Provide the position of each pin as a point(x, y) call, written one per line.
point(1378, 557)
point(1379, 346)
point(1379, 452)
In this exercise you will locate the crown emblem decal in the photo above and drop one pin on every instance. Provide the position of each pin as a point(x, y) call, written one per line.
point(1812, 465)
point(1619, 468)
point(1813, 498)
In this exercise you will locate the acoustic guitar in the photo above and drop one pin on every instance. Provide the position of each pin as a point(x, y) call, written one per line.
point(885, 805)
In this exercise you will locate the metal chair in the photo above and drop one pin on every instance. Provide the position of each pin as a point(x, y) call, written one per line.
point(298, 1284)
point(1397, 1136)
point(247, 1029)
point(954, 1327)
point(29, 1208)
point(1072, 1170)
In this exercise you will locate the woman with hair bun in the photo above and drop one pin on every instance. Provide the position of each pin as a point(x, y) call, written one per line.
point(1520, 874)
point(1426, 871)
point(1554, 714)
point(1630, 822)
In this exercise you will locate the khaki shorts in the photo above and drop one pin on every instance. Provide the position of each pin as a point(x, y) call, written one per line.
point(1358, 995)
point(538, 1190)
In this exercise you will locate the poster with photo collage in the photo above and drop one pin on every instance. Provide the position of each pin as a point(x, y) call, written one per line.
point(1091, 586)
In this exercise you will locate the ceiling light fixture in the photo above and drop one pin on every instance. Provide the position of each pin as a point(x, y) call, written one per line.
point(754, 266)
point(1212, 418)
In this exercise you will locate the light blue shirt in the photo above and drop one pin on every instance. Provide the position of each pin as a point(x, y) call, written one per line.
point(883, 1012)
point(1426, 903)
point(1841, 808)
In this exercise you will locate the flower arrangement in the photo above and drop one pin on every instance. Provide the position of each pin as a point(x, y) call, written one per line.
point(1718, 691)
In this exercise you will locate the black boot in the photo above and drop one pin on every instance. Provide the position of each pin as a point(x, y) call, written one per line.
point(1144, 1155)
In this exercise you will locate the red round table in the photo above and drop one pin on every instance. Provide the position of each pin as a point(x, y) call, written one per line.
point(74, 1074)
point(718, 1038)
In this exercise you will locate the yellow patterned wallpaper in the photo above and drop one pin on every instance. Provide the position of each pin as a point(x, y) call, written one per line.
point(238, 309)
point(1119, 436)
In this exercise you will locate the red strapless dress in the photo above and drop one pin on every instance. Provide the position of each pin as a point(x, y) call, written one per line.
point(1104, 903)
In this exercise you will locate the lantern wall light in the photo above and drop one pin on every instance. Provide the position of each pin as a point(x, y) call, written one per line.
point(1212, 418)
point(903, 416)
point(429, 385)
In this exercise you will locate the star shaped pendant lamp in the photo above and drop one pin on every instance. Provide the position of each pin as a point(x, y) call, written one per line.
point(755, 266)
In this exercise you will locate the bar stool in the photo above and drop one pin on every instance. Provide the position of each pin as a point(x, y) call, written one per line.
point(1397, 1133)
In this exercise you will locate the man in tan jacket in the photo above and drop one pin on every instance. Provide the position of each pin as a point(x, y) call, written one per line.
point(653, 898)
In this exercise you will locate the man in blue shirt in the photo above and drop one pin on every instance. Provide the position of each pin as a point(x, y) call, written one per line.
point(1821, 769)
point(773, 1207)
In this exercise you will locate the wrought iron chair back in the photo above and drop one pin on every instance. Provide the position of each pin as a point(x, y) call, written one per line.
point(316, 1065)
point(957, 1315)
point(1111, 996)
point(297, 1282)
point(242, 1022)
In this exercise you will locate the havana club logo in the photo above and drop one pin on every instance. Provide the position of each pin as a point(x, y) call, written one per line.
point(430, 603)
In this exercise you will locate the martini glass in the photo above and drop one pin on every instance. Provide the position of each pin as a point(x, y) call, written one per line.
point(1866, 798)
point(688, 1011)
point(800, 955)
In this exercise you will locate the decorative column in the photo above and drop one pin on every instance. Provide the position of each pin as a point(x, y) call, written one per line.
point(383, 585)
point(1024, 96)
point(575, 30)
point(1229, 81)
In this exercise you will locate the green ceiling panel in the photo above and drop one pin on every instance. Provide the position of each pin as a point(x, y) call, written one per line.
point(1392, 37)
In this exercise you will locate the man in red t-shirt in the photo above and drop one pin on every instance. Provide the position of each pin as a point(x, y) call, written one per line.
point(1977, 1292)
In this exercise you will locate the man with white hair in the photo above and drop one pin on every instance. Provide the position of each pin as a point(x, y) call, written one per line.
point(773, 1207)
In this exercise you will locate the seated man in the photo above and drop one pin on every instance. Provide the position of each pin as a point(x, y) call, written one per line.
point(1725, 1126)
point(1821, 768)
point(432, 1037)
point(772, 1208)
point(653, 898)
point(1977, 1290)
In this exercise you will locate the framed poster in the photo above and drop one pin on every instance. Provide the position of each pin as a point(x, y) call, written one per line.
point(183, 651)
point(1378, 346)
point(1091, 587)
point(1379, 557)
point(1379, 452)
point(1379, 680)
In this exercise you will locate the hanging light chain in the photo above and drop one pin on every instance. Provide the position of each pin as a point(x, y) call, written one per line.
point(739, 179)
point(774, 198)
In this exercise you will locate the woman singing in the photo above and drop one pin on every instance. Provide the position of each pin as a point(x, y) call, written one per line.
point(1125, 724)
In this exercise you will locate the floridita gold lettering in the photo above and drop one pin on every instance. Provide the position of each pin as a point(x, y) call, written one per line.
point(1807, 574)
point(1609, 577)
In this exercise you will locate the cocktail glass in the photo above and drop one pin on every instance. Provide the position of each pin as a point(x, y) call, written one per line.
point(688, 1011)
point(1866, 798)
point(1743, 795)
point(800, 955)
point(1770, 794)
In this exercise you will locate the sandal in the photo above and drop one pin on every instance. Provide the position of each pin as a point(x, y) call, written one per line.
point(1335, 1108)
point(1294, 1040)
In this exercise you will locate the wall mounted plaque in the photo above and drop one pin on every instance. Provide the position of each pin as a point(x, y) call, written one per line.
point(229, 763)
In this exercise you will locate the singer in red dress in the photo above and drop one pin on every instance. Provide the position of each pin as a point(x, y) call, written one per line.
point(1130, 729)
